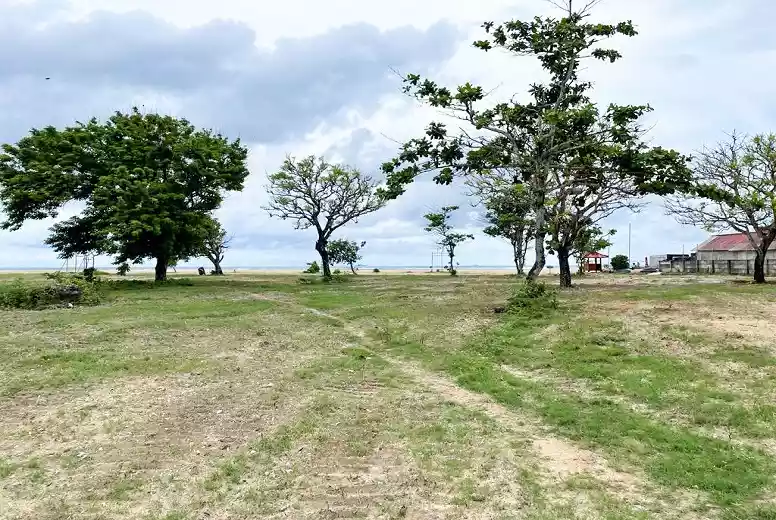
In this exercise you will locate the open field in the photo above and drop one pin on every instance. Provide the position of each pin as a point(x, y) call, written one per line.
point(257, 396)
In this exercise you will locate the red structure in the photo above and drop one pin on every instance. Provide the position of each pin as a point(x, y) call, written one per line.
point(593, 262)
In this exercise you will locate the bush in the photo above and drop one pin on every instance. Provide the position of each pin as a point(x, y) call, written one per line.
point(60, 289)
point(122, 269)
point(533, 296)
point(620, 262)
point(375, 270)
point(312, 268)
point(336, 272)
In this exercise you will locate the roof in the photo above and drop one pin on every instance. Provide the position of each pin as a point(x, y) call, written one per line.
point(595, 255)
point(728, 242)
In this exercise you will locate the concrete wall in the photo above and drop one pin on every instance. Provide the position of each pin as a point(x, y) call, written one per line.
point(716, 266)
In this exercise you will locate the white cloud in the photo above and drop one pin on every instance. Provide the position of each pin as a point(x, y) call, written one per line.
point(706, 66)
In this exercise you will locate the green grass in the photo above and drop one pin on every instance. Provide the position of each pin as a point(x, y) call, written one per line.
point(261, 406)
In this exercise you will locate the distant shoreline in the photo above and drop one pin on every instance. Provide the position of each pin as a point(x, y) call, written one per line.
point(189, 271)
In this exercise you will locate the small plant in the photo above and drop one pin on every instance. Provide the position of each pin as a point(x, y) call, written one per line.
point(337, 272)
point(533, 297)
point(375, 270)
point(60, 289)
point(312, 268)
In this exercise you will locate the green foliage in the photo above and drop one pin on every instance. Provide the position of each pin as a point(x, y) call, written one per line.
point(316, 194)
point(215, 242)
point(375, 270)
point(312, 268)
point(620, 262)
point(533, 297)
point(122, 269)
point(343, 251)
point(439, 224)
point(59, 289)
point(148, 183)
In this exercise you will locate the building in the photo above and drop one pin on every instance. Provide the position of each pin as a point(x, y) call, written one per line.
point(729, 253)
point(731, 246)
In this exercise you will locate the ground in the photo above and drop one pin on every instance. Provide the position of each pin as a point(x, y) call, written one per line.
point(252, 396)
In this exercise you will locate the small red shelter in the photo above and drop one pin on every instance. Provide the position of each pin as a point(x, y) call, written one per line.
point(593, 262)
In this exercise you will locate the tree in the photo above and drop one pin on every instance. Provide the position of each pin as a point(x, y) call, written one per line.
point(734, 187)
point(508, 210)
point(148, 183)
point(559, 130)
point(438, 224)
point(215, 243)
point(316, 194)
point(509, 216)
point(343, 251)
point(620, 262)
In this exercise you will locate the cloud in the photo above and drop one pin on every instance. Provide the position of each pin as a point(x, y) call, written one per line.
point(302, 77)
point(213, 73)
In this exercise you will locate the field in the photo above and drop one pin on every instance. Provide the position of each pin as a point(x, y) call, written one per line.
point(391, 397)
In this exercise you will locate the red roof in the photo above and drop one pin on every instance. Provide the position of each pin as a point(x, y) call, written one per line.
point(731, 242)
point(595, 255)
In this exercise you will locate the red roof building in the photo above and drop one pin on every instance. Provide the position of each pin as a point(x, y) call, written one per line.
point(730, 246)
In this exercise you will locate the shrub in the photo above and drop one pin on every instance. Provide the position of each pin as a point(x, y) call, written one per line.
point(532, 297)
point(620, 262)
point(375, 270)
point(312, 268)
point(336, 272)
point(59, 289)
point(122, 269)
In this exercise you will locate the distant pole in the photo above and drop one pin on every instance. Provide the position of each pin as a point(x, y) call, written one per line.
point(629, 241)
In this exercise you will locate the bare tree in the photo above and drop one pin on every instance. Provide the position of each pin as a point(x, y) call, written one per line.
point(734, 187)
point(323, 196)
point(215, 244)
point(583, 194)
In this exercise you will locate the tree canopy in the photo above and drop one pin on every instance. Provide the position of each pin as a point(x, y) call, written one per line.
point(148, 183)
point(316, 194)
point(343, 251)
point(214, 245)
point(734, 187)
point(558, 131)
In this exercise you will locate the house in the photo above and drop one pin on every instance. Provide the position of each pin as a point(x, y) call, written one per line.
point(730, 246)
point(729, 253)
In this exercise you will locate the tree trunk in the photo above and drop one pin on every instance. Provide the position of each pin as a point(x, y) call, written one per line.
point(759, 267)
point(565, 267)
point(541, 259)
point(353, 269)
point(320, 246)
point(518, 251)
point(161, 269)
point(217, 268)
point(452, 256)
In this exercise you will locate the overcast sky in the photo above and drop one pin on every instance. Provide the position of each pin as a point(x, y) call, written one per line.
point(305, 76)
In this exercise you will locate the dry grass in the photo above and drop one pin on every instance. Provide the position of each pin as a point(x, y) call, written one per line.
point(382, 397)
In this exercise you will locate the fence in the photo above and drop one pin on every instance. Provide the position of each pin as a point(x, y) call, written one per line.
point(740, 267)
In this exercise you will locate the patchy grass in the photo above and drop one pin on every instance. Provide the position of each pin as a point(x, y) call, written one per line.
point(391, 397)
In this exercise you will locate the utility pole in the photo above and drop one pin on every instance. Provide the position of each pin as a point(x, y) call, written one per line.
point(629, 243)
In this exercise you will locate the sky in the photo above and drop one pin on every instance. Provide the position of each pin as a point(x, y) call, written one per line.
point(320, 77)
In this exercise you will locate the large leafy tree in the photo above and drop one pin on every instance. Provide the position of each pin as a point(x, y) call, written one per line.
point(508, 215)
point(447, 238)
point(558, 130)
point(316, 194)
point(148, 183)
point(734, 187)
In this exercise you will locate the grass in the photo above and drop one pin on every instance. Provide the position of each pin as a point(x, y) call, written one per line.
point(391, 397)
